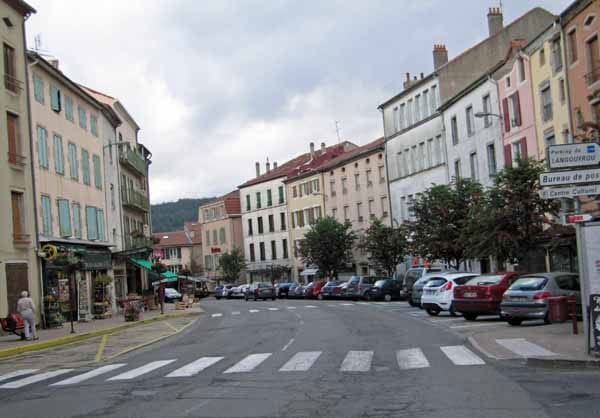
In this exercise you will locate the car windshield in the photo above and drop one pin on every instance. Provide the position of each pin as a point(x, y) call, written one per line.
point(485, 280)
point(529, 283)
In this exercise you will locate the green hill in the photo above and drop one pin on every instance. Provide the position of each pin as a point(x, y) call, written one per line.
point(170, 216)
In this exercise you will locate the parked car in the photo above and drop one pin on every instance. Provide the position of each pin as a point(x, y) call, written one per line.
point(527, 297)
point(411, 277)
point(282, 289)
point(438, 293)
point(239, 291)
point(222, 291)
point(385, 289)
point(295, 291)
point(417, 290)
point(261, 290)
point(313, 289)
point(172, 295)
point(482, 295)
point(331, 289)
point(358, 287)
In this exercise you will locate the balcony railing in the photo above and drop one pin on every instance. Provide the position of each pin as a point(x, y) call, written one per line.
point(131, 158)
point(593, 75)
point(135, 200)
point(138, 242)
point(12, 84)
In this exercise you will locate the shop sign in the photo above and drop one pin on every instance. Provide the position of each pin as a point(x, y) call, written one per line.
point(569, 192)
point(215, 250)
point(573, 155)
point(558, 178)
point(595, 322)
point(96, 260)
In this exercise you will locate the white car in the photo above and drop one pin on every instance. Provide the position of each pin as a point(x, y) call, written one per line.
point(172, 295)
point(239, 292)
point(438, 293)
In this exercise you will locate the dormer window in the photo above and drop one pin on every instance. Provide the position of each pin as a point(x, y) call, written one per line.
point(589, 20)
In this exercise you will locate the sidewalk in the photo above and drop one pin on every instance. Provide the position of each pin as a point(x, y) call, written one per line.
point(11, 344)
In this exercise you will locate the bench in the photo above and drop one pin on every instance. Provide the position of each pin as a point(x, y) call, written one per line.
point(13, 324)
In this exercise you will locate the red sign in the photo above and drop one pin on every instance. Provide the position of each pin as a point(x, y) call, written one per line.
point(576, 218)
point(215, 250)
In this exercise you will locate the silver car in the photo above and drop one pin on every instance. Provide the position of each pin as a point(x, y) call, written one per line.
point(527, 297)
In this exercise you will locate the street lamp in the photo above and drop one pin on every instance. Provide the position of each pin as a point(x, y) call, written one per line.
point(486, 114)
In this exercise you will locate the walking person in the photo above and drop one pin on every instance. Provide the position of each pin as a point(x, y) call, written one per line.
point(161, 297)
point(26, 309)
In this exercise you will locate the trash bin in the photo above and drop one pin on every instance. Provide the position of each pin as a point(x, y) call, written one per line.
point(557, 309)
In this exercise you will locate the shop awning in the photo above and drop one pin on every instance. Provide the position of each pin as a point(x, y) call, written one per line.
point(142, 263)
point(169, 275)
point(309, 272)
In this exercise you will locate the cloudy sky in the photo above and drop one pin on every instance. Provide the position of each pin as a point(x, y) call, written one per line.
point(217, 85)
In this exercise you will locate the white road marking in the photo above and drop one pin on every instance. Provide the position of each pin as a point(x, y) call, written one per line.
point(461, 355)
point(248, 363)
point(357, 361)
point(147, 368)
point(524, 348)
point(34, 379)
point(310, 306)
point(301, 361)
point(254, 310)
point(86, 376)
point(216, 315)
point(347, 304)
point(195, 367)
point(291, 307)
point(285, 347)
point(483, 324)
point(273, 309)
point(411, 358)
point(235, 313)
point(446, 319)
point(17, 373)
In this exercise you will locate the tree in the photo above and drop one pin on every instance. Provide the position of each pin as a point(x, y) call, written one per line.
point(510, 220)
point(328, 245)
point(232, 264)
point(441, 227)
point(386, 246)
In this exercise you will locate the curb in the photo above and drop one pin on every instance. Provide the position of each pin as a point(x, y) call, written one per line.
point(55, 342)
point(562, 363)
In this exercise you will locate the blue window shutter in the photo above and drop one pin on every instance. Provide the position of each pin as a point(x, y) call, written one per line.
point(100, 223)
point(42, 147)
point(59, 162)
point(85, 166)
point(54, 98)
point(82, 118)
point(73, 164)
point(38, 89)
point(97, 172)
point(91, 223)
point(76, 220)
point(64, 218)
point(46, 216)
point(69, 108)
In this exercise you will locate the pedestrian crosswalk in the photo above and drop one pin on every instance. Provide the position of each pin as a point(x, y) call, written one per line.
point(353, 361)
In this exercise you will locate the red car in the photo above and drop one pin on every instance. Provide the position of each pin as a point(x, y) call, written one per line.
point(313, 289)
point(482, 295)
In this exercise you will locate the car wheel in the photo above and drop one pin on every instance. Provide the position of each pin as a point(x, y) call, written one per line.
point(387, 298)
point(273, 298)
point(320, 297)
point(470, 316)
point(514, 321)
point(246, 298)
point(367, 296)
point(433, 312)
point(411, 302)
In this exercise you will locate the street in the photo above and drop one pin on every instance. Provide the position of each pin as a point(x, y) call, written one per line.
point(302, 358)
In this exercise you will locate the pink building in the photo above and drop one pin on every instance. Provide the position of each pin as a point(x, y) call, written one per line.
point(516, 103)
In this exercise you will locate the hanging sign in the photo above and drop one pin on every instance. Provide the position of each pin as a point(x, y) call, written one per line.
point(569, 192)
point(558, 178)
point(573, 155)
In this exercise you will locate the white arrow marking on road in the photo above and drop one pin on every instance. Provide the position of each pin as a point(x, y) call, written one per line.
point(195, 367)
point(301, 361)
point(17, 373)
point(92, 373)
point(249, 363)
point(524, 348)
point(34, 379)
point(357, 361)
point(461, 355)
point(141, 370)
point(411, 358)
point(216, 315)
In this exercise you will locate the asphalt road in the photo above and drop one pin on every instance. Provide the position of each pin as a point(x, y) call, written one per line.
point(304, 359)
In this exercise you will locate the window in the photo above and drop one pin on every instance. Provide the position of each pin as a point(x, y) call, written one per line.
point(248, 202)
point(332, 187)
point(100, 224)
point(593, 56)
point(487, 108)
point(396, 120)
point(344, 188)
point(399, 164)
point(413, 159)
point(97, 172)
point(282, 221)
point(10, 72)
point(260, 225)
point(215, 237)
point(411, 206)
point(508, 82)
point(261, 247)
point(491, 159)
point(384, 207)
point(429, 153)
point(417, 108)
point(64, 218)
point(94, 125)
point(14, 139)
point(281, 195)
point(258, 203)
point(589, 20)
point(269, 198)
point(346, 214)
point(46, 216)
point(42, 147)
point(359, 211)
point(317, 212)
point(334, 213)
point(91, 222)
point(252, 255)
point(562, 94)
point(250, 230)
point(457, 168)
point(222, 236)
point(556, 55)
point(73, 162)
point(294, 192)
point(521, 69)
point(55, 103)
point(403, 208)
point(425, 104)
point(566, 137)
point(433, 99)
point(85, 166)
point(381, 174)
point(470, 121)
point(549, 137)
point(511, 108)
point(371, 208)
point(542, 56)
point(59, 160)
point(572, 42)
point(271, 223)
point(273, 250)
point(18, 216)
point(546, 102)
point(422, 159)
point(402, 116)
point(516, 153)
point(474, 166)
point(69, 109)
point(357, 181)
point(82, 118)
point(76, 220)
point(38, 89)
point(409, 116)
point(454, 130)
point(208, 237)
point(112, 196)
point(284, 247)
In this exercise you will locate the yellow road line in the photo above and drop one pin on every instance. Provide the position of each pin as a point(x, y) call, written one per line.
point(171, 326)
point(101, 348)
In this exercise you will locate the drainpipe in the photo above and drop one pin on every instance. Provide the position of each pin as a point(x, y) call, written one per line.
point(387, 172)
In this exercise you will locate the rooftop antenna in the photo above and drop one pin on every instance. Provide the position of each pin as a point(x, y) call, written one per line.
point(337, 130)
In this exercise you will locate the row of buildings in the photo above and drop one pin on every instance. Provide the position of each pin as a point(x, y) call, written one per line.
point(74, 179)
point(529, 84)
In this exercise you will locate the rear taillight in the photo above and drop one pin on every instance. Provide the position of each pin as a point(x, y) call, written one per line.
point(447, 286)
point(542, 295)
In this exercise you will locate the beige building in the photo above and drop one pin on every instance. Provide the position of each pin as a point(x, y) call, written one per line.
point(67, 125)
point(221, 223)
point(18, 260)
point(174, 249)
point(356, 190)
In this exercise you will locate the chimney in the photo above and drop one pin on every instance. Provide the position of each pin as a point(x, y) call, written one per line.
point(407, 82)
point(312, 149)
point(257, 169)
point(322, 147)
point(268, 165)
point(274, 165)
point(440, 56)
point(495, 23)
point(422, 76)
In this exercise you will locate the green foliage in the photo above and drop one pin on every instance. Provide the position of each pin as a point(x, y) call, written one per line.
point(441, 227)
point(232, 264)
point(328, 245)
point(386, 246)
point(509, 221)
point(170, 216)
